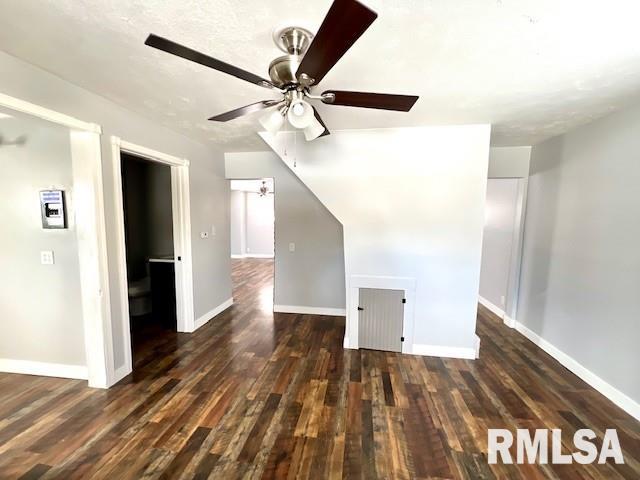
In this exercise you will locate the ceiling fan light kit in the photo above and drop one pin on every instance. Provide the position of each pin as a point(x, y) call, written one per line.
point(273, 121)
point(314, 130)
point(308, 59)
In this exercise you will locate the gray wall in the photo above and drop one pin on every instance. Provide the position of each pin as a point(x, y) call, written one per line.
point(209, 189)
point(40, 305)
point(580, 278)
point(497, 239)
point(313, 275)
point(146, 192)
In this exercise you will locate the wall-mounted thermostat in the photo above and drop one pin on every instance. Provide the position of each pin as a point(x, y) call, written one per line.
point(53, 209)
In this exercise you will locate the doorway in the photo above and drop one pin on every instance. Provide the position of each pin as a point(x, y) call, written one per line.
point(502, 246)
point(148, 226)
point(252, 218)
point(176, 263)
point(252, 236)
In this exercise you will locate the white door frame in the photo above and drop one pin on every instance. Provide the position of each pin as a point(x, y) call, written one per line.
point(86, 159)
point(181, 212)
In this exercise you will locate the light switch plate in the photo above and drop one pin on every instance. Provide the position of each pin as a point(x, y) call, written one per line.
point(46, 257)
point(292, 247)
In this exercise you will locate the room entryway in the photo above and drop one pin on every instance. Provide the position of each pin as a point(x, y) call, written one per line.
point(148, 222)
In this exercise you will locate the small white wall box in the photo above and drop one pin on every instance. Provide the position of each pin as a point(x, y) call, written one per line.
point(52, 207)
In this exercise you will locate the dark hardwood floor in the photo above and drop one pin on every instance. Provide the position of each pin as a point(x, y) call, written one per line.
point(257, 395)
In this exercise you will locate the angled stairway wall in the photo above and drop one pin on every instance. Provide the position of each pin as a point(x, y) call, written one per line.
point(411, 202)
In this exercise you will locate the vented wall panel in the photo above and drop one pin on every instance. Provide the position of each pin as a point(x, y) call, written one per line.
point(380, 320)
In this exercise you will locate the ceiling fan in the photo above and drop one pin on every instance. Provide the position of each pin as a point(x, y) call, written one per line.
point(308, 59)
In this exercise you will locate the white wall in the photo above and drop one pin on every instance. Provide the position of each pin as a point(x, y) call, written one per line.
point(238, 222)
point(40, 305)
point(411, 202)
point(580, 279)
point(498, 240)
point(312, 275)
point(509, 162)
point(260, 224)
point(209, 189)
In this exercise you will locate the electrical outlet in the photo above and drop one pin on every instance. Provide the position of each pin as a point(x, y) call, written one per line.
point(502, 300)
point(213, 230)
point(46, 257)
point(292, 247)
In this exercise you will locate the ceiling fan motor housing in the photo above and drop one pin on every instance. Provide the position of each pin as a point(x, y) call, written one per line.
point(282, 70)
point(294, 41)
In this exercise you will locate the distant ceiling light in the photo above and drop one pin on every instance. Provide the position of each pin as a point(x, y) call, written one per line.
point(263, 189)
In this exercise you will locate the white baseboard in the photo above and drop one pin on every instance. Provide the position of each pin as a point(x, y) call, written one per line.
point(509, 322)
point(252, 255)
point(45, 369)
point(334, 312)
point(477, 346)
point(212, 313)
point(120, 373)
point(492, 307)
point(616, 396)
point(443, 351)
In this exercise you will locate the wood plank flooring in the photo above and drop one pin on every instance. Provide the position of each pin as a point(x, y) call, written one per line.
point(254, 394)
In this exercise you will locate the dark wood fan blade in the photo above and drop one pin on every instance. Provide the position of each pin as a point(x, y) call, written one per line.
point(319, 118)
point(345, 22)
point(383, 101)
point(181, 51)
point(239, 112)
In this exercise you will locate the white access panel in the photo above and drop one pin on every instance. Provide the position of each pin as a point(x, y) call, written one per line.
point(380, 318)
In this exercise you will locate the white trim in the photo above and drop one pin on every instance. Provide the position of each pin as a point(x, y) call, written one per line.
point(150, 154)
point(49, 115)
point(120, 373)
point(515, 261)
point(334, 312)
point(181, 211)
point(252, 255)
point(443, 351)
point(477, 346)
point(181, 208)
point(27, 367)
point(212, 313)
point(490, 306)
point(357, 282)
point(121, 255)
point(616, 396)
point(509, 322)
point(86, 162)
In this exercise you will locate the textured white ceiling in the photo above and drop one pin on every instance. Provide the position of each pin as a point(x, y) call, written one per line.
point(532, 68)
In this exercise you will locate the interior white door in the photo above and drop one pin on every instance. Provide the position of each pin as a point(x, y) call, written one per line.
point(380, 318)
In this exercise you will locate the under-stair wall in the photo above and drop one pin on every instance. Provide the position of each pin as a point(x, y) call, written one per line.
point(411, 202)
